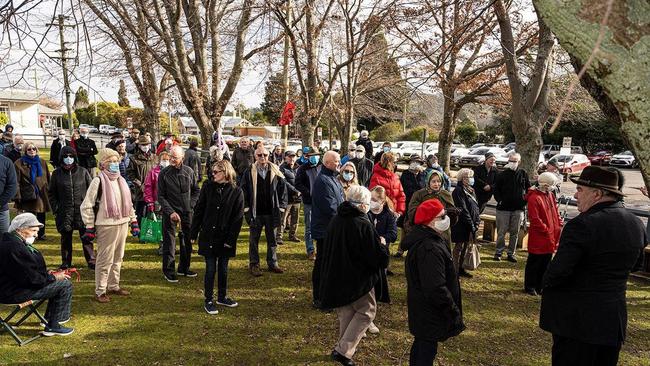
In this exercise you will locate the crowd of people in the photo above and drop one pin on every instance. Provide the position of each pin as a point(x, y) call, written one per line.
point(352, 209)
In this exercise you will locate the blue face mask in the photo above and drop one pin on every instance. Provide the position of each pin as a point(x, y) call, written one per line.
point(114, 167)
point(68, 160)
point(348, 176)
point(314, 159)
point(386, 149)
point(471, 181)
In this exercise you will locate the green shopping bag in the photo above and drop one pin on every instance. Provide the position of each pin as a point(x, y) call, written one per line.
point(151, 230)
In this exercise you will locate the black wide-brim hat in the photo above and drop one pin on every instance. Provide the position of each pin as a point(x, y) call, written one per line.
point(599, 177)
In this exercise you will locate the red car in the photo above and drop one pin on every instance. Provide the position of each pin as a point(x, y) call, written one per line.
point(600, 158)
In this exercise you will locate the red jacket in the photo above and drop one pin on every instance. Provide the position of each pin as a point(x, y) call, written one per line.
point(545, 222)
point(392, 185)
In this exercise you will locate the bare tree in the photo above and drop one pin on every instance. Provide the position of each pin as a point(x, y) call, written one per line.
point(192, 40)
point(460, 55)
point(530, 107)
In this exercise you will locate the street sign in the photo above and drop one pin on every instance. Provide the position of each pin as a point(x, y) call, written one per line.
point(566, 142)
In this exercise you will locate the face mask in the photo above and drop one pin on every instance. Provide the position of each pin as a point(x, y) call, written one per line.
point(471, 181)
point(376, 206)
point(359, 155)
point(442, 225)
point(114, 167)
point(386, 149)
point(169, 141)
point(84, 135)
point(435, 165)
point(30, 240)
point(19, 147)
point(512, 165)
point(61, 137)
point(313, 160)
point(414, 166)
point(68, 160)
point(164, 163)
point(348, 176)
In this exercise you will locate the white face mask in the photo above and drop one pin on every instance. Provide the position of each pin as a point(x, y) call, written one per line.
point(30, 240)
point(512, 165)
point(376, 206)
point(359, 155)
point(84, 135)
point(145, 148)
point(164, 163)
point(442, 225)
point(414, 167)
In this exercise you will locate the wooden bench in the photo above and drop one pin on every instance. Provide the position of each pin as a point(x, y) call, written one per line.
point(490, 231)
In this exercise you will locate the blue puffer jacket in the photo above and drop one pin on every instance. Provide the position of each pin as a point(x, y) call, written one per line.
point(328, 195)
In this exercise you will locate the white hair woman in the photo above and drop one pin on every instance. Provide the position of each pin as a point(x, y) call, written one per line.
point(107, 211)
point(348, 177)
point(468, 219)
point(353, 259)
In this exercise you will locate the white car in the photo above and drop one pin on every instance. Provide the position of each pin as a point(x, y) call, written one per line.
point(456, 154)
point(625, 159)
point(410, 148)
point(476, 157)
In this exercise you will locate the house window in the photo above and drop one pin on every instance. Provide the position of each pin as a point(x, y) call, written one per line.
point(4, 109)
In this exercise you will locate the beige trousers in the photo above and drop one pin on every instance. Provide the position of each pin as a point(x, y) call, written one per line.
point(354, 319)
point(111, 240)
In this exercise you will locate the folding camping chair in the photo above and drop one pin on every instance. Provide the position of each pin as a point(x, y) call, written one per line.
point(32, 308)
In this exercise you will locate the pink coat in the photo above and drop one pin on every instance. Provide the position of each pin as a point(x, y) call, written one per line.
point(151, 185)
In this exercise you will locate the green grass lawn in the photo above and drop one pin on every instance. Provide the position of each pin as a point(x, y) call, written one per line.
point(165, 324)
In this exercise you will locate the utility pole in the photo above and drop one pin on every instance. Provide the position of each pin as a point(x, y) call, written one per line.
point(285, 75)
point(64, 59)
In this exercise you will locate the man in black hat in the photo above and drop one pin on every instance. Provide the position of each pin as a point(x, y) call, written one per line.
point(583, 296)
point(484, 177)
point(114, 138)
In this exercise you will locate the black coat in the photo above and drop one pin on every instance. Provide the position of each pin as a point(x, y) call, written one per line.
point(482, 178)
point(242, 160)
point(469, 217)
point(218, 216)
point(22, 271)
point(178, 190)
point(411, 183)
point(583, 294)
point(510, 188)
point(364, 170)
point(86, 151)
point(435, 309)
point(278, 193)
point(367, 144)
point(55, 151)
point(67, 191)
point(352, 258)
point(305, 178)
point(293, 194)
point(385, 224)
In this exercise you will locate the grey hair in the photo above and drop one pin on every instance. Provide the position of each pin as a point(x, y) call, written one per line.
point(515, 155)
point(177, 148)
point(464, 173)
point(358, 195)
point(18, 136)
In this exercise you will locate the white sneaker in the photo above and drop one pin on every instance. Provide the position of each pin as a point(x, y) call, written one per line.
point(373, 328)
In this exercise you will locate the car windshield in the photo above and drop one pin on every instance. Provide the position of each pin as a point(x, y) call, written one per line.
point(479, 151)
point(628, 153)
point(562, 158)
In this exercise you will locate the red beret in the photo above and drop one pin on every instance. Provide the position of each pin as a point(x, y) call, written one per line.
point(427, 211)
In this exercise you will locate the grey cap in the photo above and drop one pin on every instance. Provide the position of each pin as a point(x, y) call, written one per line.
point(24, 220)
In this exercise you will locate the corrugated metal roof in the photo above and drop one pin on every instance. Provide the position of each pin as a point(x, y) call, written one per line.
point(47, 110)
point(11, 94)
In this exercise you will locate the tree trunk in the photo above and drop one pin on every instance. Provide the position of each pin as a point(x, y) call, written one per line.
point(528, 135)
point(617, 78)
point(446, 137)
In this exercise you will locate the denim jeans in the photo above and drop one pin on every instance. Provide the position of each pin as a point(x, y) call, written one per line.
point(59, 301)
point(4, 221)
point(508, 222)
point(309, 244)
point(216, 266)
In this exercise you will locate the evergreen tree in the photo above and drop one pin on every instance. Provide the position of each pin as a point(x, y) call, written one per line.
point(81, 98)
point(273, 103)
point(122, 98)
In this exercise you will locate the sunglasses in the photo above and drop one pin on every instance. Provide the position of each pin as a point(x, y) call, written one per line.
point(217, 171)
point(31, 149)
point(262, 155)
point(348, 171)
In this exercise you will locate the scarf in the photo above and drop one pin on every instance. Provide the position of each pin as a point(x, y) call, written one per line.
point(35, 169)
point(220, 142)
point(470, 192)
point(112, 210)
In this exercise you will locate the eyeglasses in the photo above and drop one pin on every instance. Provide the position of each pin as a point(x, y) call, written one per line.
point(262, 155)
point(217, 171)
point(359, 151)
point(31, 149)
point(348, 171)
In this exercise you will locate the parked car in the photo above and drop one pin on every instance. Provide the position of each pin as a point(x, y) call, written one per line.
point(503, 160)
point(476, 146)
point(552, 150)
point(600, 157)
point(571, 164)
point(409, 148)
point(625, 159)
point(510, 146)
point(456, 154)
point(476, 157)
point(103, 129)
